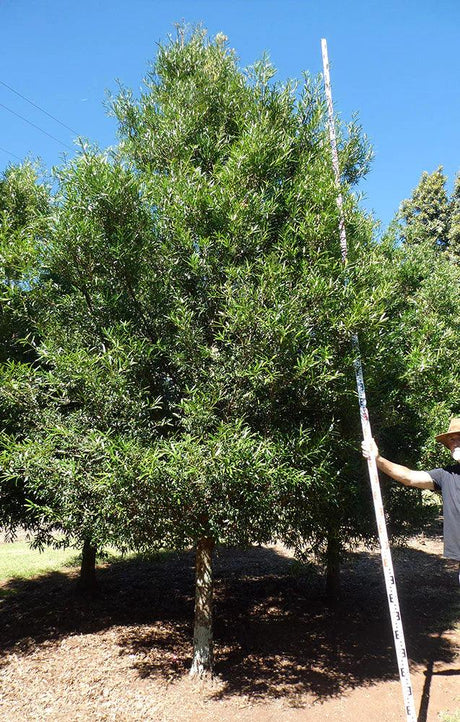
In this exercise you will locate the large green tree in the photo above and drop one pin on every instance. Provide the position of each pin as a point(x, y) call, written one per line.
point(86, 382)
point(237, 169)
point(426, 213)
point(421, 247)
point(24, 208)
point(24, 213)
point(430, 216)
point(193, 320)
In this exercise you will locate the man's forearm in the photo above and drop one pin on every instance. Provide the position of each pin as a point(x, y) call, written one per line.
point(408, 477)
point(396, 471)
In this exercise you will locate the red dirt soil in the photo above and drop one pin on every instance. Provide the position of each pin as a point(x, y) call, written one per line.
point(281, 652)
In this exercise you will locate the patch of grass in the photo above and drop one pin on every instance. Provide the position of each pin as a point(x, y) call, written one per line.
point(157, 555)
point(18, 560)
point(451, 717)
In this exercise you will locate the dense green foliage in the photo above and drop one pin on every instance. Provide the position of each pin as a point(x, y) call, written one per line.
point(24, 211)
point(430, 216)
point(237, 171)
point(189, 318)
point(422, 250)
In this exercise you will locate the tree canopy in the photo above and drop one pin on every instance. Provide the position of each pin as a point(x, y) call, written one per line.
point(190, 374)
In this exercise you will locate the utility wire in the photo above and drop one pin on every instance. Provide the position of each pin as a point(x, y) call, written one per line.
point(36, 126)
point(4, 150)
point(38, 107)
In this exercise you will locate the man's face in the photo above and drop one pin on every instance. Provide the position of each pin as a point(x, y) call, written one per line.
point(453, 442)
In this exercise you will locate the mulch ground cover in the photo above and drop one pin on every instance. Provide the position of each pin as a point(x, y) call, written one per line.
point(282, 652)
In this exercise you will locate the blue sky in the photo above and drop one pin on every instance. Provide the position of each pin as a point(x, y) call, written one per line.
point(394, 62)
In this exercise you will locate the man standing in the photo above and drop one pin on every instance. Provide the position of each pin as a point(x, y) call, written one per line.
point(446, 480)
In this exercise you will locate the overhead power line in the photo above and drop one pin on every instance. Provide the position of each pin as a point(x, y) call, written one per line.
point(36, 126)
point(4, 150)
point(38, 107)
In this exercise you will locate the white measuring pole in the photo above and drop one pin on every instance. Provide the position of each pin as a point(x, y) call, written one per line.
point(393, 603)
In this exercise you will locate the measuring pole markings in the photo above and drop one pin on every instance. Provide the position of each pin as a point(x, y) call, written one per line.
point(390, 582)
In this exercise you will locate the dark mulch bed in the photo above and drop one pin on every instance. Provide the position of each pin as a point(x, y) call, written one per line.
point(124, 653)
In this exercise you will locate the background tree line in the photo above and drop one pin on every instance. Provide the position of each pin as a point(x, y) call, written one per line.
point(176, 368)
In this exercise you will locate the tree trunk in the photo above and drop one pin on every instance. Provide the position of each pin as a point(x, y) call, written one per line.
point(87, 580)
point(333, 566)
point(202, 633)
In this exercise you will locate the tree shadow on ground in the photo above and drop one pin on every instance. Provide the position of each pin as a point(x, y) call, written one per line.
point(275, 635)
point(299, 644)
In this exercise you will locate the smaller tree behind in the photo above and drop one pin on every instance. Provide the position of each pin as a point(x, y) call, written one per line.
point(426, 213)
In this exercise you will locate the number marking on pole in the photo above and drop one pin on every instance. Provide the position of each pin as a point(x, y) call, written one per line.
point(390, 582)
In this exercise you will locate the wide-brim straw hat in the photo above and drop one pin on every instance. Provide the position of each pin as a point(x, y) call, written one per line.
point(454, 428)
